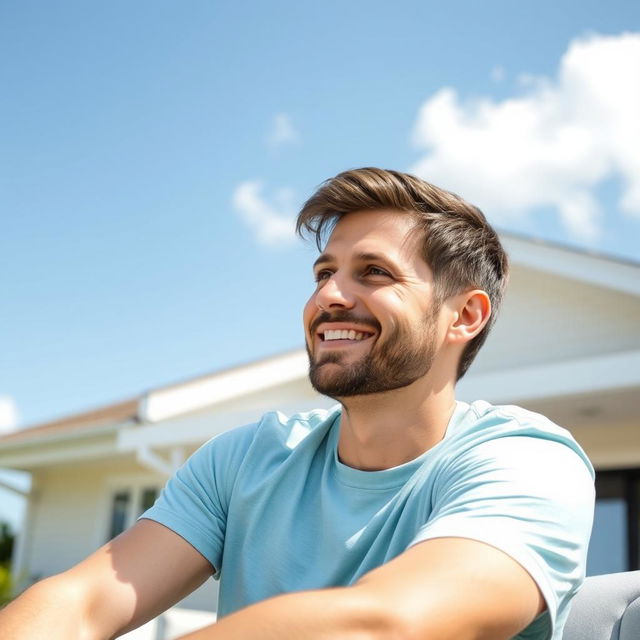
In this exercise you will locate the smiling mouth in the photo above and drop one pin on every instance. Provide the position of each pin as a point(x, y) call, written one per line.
point(343, 334)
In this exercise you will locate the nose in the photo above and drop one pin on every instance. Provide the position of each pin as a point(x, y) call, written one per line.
point(335, 293)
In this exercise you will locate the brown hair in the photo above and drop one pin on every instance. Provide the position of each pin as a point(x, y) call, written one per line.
point(460, 246)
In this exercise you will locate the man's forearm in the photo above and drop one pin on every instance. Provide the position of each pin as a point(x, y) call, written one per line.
point(46, 611)
point(346, 613)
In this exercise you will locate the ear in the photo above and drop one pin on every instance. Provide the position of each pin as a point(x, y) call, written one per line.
point(471, 312)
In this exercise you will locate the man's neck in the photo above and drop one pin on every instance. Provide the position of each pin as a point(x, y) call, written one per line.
point(381, 431)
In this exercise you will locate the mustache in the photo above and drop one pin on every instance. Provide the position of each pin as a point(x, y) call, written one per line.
point(342, 315)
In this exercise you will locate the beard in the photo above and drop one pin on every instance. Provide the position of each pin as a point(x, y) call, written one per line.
point(405, 356)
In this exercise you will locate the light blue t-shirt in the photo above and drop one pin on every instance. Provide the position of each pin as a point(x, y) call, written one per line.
point(274, 510)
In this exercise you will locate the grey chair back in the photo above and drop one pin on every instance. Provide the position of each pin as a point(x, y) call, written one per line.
point(606, 608)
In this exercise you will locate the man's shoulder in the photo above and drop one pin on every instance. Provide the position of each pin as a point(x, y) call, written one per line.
point(480, 423)
point(275, 428)
point(510, 419)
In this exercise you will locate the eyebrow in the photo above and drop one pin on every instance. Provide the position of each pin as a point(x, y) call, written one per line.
point(322, 258)
point(361, 257)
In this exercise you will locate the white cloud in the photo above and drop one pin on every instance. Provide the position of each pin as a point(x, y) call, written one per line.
point(282, 131)
point(8, 414)
point(551, 145)
point(271, 223)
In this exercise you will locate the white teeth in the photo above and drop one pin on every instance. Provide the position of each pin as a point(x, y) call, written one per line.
point(343, 334)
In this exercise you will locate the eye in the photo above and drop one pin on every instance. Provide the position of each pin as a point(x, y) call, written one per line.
point(372, 270)
point(322, 274)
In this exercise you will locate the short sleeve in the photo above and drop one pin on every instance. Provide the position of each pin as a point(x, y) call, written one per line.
point(529, 497)
point(194, 503)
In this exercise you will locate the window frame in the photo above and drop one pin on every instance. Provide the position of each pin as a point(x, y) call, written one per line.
point(135, 484)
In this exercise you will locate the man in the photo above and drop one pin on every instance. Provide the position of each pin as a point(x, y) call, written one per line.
point(399, 514)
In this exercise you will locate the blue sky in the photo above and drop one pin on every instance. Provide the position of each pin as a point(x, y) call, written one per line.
point(154, 154)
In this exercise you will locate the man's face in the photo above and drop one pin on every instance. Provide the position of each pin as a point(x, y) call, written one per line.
point(371, 324)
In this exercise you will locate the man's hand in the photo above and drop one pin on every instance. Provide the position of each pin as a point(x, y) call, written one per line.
point(442, 589)
point(130, 580)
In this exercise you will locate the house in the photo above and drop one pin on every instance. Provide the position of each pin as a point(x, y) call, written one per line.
point(567, 344)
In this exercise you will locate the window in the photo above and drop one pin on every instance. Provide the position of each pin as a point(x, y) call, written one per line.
point(147, 498)
point(119, 511)
point(615, 541)
point(127, 504)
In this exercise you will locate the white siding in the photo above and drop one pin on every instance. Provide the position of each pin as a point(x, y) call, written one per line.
point(64, 515)
point(70, 519)
point(70, 513)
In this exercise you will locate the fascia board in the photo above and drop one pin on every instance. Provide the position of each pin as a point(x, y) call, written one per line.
point(164, 404)
point(583, 267)
point(582, 375)
point(81, 450)
point(77, 434)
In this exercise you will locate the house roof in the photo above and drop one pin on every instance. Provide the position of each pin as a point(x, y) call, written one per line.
point(567, 248)
point(584, 266)
point(122, 411)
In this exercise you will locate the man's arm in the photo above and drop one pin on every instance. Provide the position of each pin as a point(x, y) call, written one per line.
point(130, 580)
point(442, 589)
